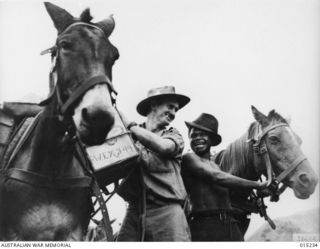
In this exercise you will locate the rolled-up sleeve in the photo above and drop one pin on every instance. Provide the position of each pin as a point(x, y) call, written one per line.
point(174, 135)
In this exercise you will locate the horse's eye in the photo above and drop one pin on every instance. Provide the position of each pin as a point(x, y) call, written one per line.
point(274, 139)
point(65, 45)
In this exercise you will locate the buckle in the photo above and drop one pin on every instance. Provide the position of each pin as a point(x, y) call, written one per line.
point(256, 149)
point(263, 149)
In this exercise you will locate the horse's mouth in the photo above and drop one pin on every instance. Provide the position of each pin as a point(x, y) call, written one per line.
point(302, 193)
point(91, 141)
point(90, 136)
point(302, 196)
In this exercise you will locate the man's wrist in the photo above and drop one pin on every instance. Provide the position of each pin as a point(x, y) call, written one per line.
point(130, 125)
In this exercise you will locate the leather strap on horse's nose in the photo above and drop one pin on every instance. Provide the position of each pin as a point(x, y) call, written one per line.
point(292, 166)
point(100, 79)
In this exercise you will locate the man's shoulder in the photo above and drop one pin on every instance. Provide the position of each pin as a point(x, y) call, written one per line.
point(190, 156)
point(171, 130)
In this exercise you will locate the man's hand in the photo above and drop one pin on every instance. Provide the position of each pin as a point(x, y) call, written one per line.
point(262, 185)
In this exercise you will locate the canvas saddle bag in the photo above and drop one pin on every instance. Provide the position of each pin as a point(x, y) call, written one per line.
point(15, 117)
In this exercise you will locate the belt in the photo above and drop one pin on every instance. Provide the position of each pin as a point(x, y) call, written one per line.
point(151, 204)
point(220, 215)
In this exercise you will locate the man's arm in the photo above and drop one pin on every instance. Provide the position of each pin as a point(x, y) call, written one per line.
point(204, 170)
point(154, 142)
point(150, 140)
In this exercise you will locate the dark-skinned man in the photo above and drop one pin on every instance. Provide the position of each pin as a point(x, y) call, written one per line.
point(207, 185)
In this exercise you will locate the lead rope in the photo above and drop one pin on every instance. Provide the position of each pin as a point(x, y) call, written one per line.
point(263, 209)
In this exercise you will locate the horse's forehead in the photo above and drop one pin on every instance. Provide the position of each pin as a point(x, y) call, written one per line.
point(81, 32)
point(293, 135)
point(287, 133)
point(85, 32)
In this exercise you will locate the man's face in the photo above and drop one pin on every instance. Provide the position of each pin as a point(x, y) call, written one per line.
point(199, 141)
point(165, 112)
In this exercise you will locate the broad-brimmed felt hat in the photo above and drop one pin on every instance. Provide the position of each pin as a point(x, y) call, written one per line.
point(207, 122)
point(144, 106)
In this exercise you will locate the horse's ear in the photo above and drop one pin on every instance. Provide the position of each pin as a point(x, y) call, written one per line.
point(259, 116)
point(60, 17)
point(107, 25)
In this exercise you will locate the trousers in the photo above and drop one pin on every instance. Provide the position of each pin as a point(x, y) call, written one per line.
point(165, 223)
point(215, 228)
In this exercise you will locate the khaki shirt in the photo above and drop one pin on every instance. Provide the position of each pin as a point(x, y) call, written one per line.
point(159, 174)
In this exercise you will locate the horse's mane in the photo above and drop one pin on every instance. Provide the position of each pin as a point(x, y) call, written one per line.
point(238, 157)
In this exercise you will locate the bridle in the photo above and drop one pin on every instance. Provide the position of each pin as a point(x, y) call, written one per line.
point(64, 107)
point(260, 148)
point(255, 200)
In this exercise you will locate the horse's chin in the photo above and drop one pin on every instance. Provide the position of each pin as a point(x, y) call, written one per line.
point(301, 194)
point(89, 141)
point(302, 197)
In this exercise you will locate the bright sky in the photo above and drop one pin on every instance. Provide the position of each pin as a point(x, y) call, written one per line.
point(226, 55)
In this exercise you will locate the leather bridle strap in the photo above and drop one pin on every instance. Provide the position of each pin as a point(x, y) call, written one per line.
point(84, 24)
point(40, 180)
point(266, 158)
point(292, 167)
point(265, 132)
point(100, 79)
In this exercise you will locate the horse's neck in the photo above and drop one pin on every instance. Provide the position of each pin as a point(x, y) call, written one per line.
point(238, 159)
point(48, 152)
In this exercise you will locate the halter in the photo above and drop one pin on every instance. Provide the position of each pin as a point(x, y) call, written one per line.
point(260, 148)
point(64, 107)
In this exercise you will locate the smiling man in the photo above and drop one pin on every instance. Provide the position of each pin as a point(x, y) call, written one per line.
point(210, 218)
point(154, 191)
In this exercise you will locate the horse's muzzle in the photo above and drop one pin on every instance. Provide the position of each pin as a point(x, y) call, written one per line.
point(95, 124)
point(305, 181)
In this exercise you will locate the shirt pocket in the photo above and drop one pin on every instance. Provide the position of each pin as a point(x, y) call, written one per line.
point(156, 163)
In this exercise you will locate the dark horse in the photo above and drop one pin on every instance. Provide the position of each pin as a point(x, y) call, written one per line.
point(45, 189)
point(271, 148)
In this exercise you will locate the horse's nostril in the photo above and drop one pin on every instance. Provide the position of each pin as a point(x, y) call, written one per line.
point(85, 115)
point(97, 117)
point(304, 179)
